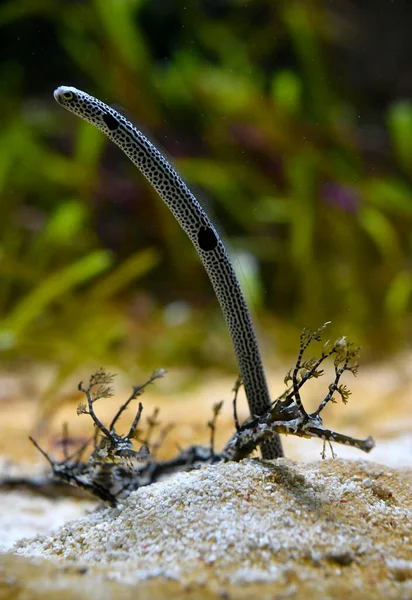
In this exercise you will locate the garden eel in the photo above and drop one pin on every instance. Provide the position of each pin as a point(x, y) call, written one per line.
point(201, 232)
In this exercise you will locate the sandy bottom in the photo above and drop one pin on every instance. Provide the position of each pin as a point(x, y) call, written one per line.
point(286, 526)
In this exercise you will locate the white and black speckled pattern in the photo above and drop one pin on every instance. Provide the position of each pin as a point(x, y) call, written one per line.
point(197, 225)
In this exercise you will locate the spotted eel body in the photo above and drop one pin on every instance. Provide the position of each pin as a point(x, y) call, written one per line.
point(200, 230)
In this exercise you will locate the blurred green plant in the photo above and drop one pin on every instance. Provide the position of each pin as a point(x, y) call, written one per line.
point(244, 97)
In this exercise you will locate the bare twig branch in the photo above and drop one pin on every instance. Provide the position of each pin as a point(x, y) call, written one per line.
point(65, 440)
point(236, 387)
point(155, 446)
point(132, 430)
point(152, 423)
point(46, 456)
point(212, 425)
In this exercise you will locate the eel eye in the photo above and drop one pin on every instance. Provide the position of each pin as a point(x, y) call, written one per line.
point(68, 95)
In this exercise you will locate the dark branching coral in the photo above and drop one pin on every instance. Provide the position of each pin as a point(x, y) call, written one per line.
point(114, 468)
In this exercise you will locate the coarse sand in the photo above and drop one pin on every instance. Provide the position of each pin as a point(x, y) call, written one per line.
point(284, 529)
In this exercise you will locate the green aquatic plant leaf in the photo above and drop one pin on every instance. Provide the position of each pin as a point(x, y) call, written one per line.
point(56, 286)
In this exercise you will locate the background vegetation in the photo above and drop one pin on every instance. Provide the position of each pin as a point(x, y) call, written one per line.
point(291, 118)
